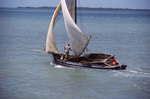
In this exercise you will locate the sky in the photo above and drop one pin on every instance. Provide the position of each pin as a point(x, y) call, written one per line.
point(133, 4)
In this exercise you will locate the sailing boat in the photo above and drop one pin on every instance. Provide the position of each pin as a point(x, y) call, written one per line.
point(79, 41)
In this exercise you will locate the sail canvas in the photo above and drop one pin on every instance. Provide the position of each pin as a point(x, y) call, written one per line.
point(50, 42)
point(77, 38)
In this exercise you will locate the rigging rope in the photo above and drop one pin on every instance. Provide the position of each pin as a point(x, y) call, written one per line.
point(51, 57)
point(81, 17)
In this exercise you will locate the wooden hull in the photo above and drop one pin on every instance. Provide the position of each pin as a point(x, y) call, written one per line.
point(89, 61)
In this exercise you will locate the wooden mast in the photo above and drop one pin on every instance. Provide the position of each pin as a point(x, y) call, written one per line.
point(76, 11)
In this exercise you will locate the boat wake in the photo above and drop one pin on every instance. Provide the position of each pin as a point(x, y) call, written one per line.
point(132, 73)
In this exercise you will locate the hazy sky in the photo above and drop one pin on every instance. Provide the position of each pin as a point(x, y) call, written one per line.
point(134, 4)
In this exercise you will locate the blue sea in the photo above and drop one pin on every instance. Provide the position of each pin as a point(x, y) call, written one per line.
point(27, 73)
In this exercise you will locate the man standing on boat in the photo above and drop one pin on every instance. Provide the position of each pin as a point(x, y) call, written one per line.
point(67, 48)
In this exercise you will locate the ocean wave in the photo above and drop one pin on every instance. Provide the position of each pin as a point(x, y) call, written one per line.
point(37, 50)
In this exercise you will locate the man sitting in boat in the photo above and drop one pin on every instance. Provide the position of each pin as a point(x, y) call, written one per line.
point(114, 61)
point(67, 48)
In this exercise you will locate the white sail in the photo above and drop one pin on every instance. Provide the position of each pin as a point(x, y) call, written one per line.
point(50, 42)
point(71, 7)
point(77, 38)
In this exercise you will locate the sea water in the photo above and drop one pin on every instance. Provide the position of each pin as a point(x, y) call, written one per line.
point(28, 73)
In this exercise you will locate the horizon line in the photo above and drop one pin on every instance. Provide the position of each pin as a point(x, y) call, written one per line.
point(84, 8)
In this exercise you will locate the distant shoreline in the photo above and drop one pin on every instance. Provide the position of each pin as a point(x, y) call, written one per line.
point(87, 8)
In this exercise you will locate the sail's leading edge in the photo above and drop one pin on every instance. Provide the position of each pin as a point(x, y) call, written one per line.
point(50, 42)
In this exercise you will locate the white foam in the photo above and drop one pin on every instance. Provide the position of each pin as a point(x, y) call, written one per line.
point(51, 63)
point(133, 71)
point(59, 66)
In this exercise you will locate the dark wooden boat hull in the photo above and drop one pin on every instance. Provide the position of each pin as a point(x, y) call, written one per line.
point(88, 64)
